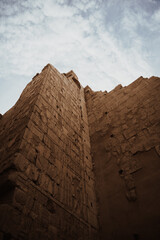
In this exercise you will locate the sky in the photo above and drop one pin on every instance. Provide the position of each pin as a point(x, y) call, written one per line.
point(105, 42)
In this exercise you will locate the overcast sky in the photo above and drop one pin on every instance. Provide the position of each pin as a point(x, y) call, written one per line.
point(105, 42)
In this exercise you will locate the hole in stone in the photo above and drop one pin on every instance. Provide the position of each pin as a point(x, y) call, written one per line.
point(111, 135)
point(7, 236)
point(136, 236)
point(106, 113)
point(91, 204)
point(50, 206)
point(120, 171)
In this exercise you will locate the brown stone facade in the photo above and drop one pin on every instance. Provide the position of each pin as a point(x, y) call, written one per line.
point(78, 164)
point(47, 180)
point(125, 138)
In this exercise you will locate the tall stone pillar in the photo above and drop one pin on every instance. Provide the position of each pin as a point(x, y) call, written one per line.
point(46, 176)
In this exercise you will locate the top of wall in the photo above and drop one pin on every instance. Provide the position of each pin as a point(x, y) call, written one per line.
point(71, 75)
point(132, 85)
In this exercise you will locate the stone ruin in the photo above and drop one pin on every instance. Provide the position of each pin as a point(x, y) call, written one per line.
point(81, 165)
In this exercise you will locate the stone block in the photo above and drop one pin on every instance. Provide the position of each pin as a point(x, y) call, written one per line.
point(21, 162)
point(32, 172)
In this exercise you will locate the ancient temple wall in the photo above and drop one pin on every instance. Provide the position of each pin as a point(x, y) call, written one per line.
point(13, 123)
point(48, 189)
point(50, 145)
point(125, 141)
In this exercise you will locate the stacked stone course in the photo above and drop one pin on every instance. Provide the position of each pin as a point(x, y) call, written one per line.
point(125, 138)
point(51, 141)
point(47, 176)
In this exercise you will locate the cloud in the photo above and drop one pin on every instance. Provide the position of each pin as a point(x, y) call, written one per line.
point(104, 42)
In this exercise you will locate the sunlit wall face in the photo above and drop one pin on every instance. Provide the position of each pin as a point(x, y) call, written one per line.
point(105, 42)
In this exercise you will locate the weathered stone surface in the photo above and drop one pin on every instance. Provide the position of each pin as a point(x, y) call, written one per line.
point(61, 160)
point(124, 129)
point(47, 143)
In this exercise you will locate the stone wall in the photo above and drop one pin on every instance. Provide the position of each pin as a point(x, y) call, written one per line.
point(47, 181)
point(124, 129)
point(52, 180)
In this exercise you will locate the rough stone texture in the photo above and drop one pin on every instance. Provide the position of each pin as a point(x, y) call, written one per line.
point(124, 129)
point(47, 181)
point(49, 173)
